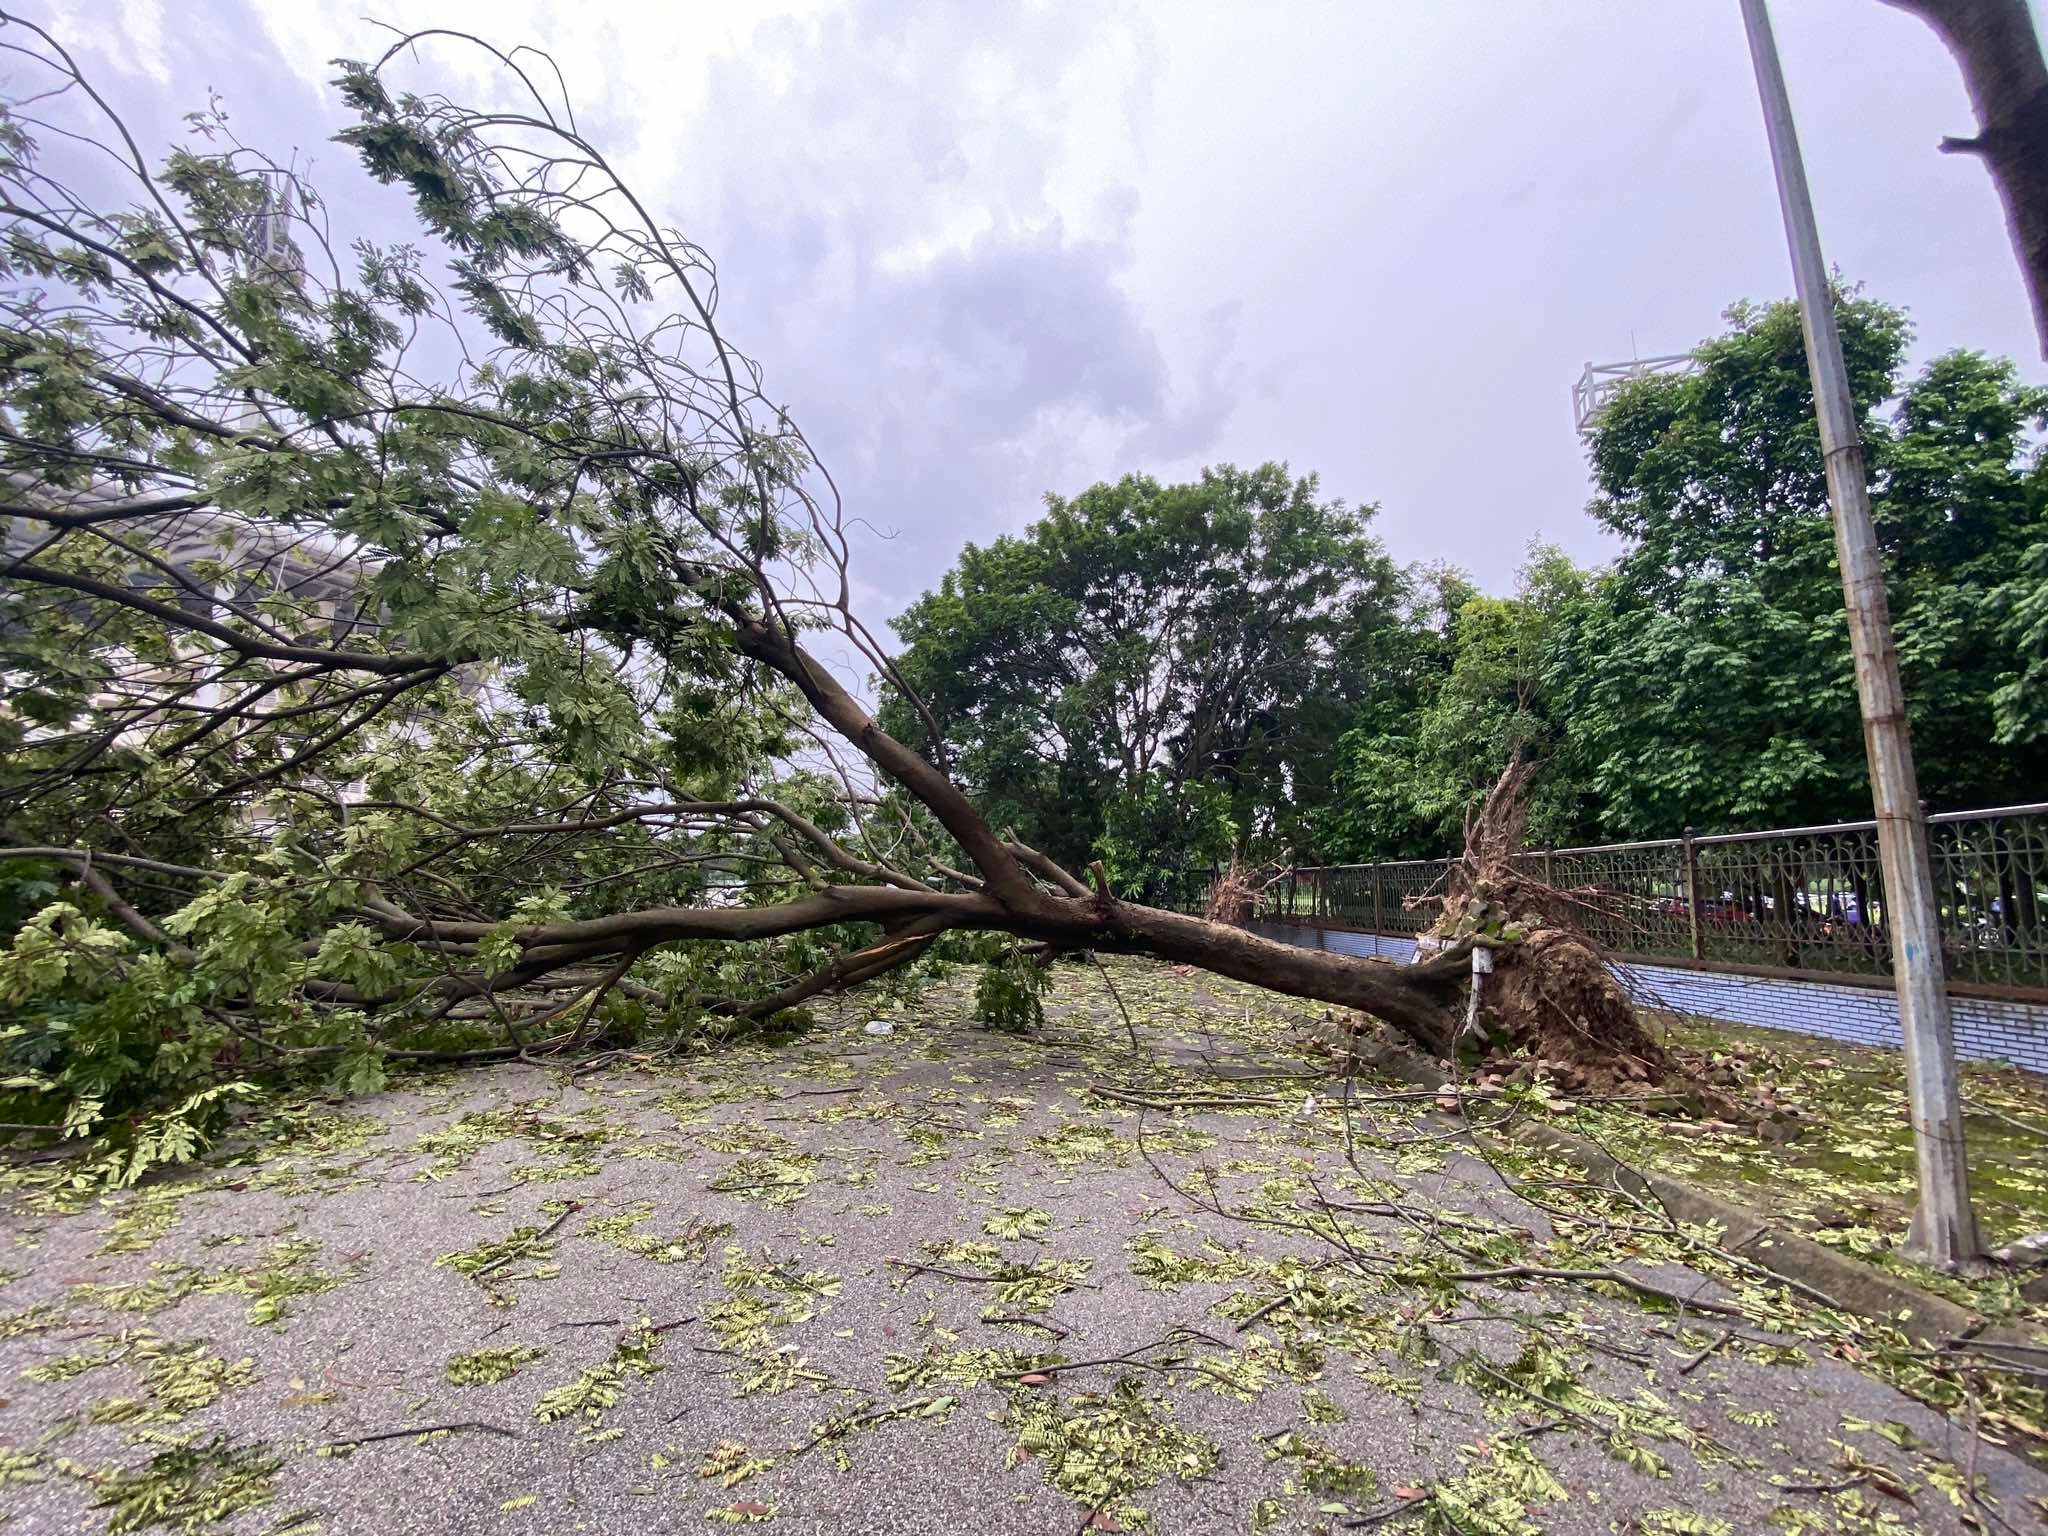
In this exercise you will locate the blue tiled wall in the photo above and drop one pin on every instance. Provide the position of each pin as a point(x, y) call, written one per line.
point(1986, 1030)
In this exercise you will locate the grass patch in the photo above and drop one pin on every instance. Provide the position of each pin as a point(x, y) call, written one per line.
point(1848, 1179)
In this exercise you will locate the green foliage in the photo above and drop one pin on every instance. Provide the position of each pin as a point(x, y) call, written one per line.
point(1152, 673)
point(1705, 678)
point(488, 1367)
point(1007, 996)
point(600, 1388)
point(688, 1245)
point(1014, 1223)
point(527, 1243)
point(1156, 826)
point(1472, 697)
point(1320, 1470)
point(1099, 1449)
point(368, 619)
point(1728, 595)
point(189, 1485)
point(181, 1378)
point(1031, 1287)
point(114, 1043)
point(286, 1273)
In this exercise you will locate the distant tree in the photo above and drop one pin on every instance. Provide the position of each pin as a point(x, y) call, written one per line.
point(1418, 757)
point(1709, 679)
point(1154, 673)
point(1704, 677)
point(1962, 514)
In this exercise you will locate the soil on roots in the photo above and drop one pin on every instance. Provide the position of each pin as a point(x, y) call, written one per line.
point(1552, 999)
point(1234, 898)
point(1552, 1002)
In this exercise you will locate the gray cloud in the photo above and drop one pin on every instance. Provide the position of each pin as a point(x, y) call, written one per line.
point(951, 388)
point(984, 252)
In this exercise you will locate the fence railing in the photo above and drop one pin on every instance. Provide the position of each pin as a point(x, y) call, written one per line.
point(1805, 901)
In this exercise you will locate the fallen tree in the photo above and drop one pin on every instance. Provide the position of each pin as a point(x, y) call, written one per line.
point(419, 650)
point(1550, 996)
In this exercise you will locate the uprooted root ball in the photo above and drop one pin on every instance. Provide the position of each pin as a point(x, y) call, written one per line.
point(1552, 1002)
point(1552, 997)
point(1234, 898)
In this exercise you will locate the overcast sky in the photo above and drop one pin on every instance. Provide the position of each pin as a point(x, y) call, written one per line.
point(986, 251)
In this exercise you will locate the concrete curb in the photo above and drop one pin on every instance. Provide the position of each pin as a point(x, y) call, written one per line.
point(1849, 1283)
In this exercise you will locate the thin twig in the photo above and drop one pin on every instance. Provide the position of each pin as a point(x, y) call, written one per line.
point(1407, 1510)
point(838, 1429)
point(527, 1250)
point(1027, 1273)
point(424, 1429)
point(1109, 981)
point(1824, 1488)
point(1700, 1359)
point(1272, 1306)
point(1054, 1329)
point(1608, 1276)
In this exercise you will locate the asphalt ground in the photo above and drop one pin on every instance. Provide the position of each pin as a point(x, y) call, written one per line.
point(934, 1282)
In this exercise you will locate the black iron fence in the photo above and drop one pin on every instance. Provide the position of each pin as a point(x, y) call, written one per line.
point(1808, 901)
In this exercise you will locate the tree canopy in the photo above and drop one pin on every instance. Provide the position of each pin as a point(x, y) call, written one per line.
point(1472, 698)
point(413, 649)
point(1169, 675)
point(1728, 600)
point(1704, 677)
point(1152, 674)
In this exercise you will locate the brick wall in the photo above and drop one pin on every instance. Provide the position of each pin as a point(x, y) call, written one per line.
point(1986, 1030)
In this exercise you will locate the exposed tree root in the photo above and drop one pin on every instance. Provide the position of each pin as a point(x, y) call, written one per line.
point(1552, 998)
point(1552, 1002)
point(1234, 898)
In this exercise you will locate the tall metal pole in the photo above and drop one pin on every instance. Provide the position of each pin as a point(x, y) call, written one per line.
point(1944, 1226)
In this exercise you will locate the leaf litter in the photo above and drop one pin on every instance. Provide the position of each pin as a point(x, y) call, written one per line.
point(1323, 1266)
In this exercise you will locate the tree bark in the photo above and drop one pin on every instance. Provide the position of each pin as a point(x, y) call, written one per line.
point(1996, 45)
point(1419, 1000)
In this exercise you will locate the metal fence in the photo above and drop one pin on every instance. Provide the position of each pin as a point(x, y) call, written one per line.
point(1182, 889)
point(1804, 902)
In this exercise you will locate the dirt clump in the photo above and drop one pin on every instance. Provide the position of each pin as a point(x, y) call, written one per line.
point(1551, 1002)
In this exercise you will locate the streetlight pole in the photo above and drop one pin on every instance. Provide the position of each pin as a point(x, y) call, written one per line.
point(1944, 1226)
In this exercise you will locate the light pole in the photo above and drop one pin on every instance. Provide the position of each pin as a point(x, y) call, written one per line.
point(1944, 1226)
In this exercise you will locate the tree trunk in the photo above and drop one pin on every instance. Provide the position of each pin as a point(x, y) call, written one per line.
point(1999, 52)
point(1419, 1000)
